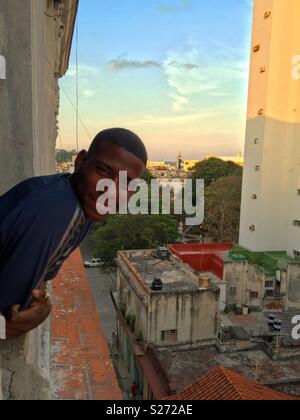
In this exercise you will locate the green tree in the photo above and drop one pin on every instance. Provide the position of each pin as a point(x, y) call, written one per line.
point(132, 232)
point(147, 176)
point(65, 155)
point(212, 169)
point(222, 209)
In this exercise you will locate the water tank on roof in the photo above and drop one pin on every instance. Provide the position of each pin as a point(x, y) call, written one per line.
point(157, 284)
point(162, 252)
point(204, 282)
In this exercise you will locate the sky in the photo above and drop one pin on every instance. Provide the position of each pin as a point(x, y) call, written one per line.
point(173, 71)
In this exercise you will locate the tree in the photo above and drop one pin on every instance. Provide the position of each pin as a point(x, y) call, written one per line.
point(65, 155)
point(212, 169)
point(222, 209)
point(147, 176)
point(132, 232)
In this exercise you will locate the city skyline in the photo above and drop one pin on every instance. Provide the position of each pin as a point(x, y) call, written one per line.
point(175, 72)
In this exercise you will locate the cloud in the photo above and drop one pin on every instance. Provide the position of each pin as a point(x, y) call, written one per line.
point(184, 79)
point(193, 73)
point(88, 93)
point(123, 64)
point(171, 7)
point(83, 71)
point(185, 66)
point(174, 120)
point(89, 79)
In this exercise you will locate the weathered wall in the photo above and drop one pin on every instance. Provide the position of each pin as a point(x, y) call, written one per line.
point(24, 366)
point(16, 106)
point(293, 287)
point(193, 314)
point(34, 39)
point(131, 298)
point(242, 278)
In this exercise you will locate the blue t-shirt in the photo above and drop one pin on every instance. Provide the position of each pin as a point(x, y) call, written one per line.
point(41, 224)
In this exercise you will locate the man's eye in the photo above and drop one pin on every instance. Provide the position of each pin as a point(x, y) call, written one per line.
point(101, 169)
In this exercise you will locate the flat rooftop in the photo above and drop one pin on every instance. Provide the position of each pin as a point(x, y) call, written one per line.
point(172, 273)
point(268, 261)
point(185, 367)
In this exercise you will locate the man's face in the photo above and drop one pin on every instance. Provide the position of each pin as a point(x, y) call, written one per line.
point(106, 163)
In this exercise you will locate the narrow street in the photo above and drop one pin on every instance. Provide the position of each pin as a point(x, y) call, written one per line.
point(101, 282)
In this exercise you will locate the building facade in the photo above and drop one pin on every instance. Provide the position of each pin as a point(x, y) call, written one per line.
point(271, 201)
point(255, 280)
point(35, 43)
point(183, 313)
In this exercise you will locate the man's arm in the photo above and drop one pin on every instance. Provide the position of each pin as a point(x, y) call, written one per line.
point(29, 236)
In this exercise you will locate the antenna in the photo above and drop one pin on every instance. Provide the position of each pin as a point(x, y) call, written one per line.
point(77, 90)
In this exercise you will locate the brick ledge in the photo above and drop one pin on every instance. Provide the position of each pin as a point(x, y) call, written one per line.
point(81, 368)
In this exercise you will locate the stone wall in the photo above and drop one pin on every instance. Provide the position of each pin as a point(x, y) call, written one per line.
point(293, 287)
point(244, 285)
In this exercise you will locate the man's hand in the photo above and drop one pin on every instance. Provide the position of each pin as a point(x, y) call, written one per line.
point(20, 322)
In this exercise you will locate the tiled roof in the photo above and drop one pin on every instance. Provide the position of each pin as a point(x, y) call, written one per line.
point(224, 384)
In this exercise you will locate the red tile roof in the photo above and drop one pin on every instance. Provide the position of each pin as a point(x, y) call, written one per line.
point(81, 368)
point(223, 384)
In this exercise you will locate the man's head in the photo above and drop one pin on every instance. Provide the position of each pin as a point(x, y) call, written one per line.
point(111, 152)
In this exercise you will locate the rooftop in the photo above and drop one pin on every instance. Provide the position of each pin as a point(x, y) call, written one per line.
point(173, 274)
point(204, 257)
point(224, 384)
point(185, 367)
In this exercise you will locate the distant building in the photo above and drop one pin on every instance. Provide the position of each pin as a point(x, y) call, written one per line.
point(208, 261)
point(270, 210)
point(179, 162)
point(221, 384)
point(245, 279)
point(255, 280)
point(172, 327)
point(155, 165)
point(161, 302)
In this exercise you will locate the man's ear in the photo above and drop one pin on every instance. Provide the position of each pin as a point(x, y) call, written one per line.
point(80, 160)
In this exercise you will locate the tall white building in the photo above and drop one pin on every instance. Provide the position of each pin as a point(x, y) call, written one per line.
point(270, 215)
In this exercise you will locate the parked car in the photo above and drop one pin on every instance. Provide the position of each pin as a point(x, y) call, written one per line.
point(96, 262)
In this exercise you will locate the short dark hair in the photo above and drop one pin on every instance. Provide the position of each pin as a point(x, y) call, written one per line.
point(122, 138)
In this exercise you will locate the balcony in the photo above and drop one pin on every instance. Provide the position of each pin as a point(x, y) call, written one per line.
point(68, 357)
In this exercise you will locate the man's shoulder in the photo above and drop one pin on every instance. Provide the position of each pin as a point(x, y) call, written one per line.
point(45, 184)
point(49, 193)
